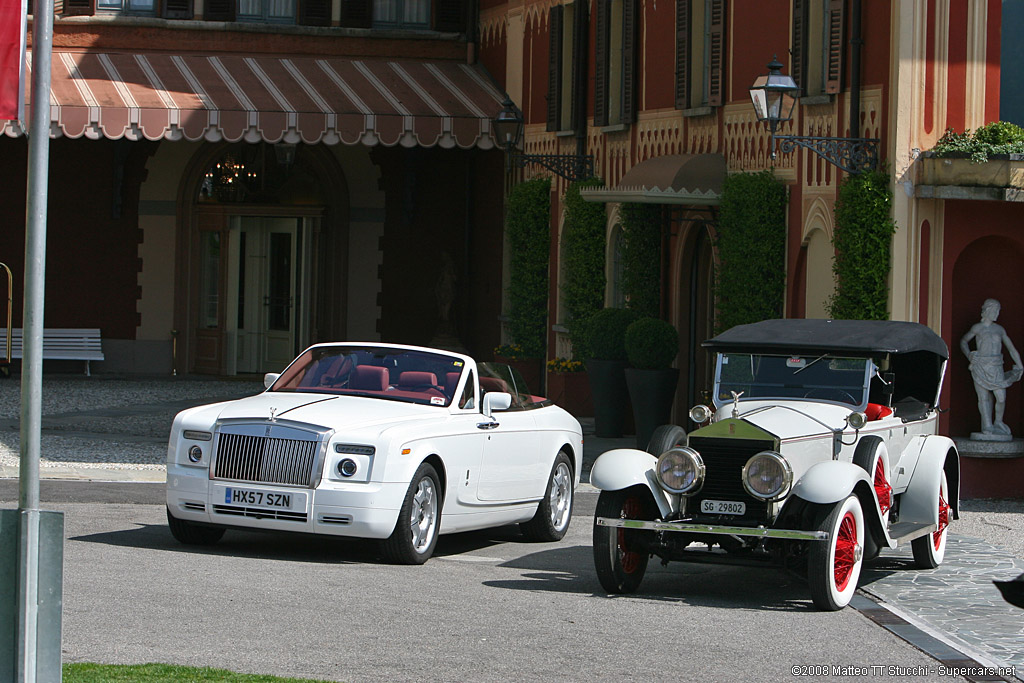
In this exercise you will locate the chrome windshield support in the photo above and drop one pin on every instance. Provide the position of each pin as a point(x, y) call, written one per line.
point(690, 528)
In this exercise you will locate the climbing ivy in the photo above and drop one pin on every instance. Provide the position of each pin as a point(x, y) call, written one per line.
point(750, 277)
point(528, 226)
point(863, 245)
point(641, 257)
point(583, 280)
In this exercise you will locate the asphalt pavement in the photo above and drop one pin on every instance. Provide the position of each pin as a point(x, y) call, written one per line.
point(112, 431)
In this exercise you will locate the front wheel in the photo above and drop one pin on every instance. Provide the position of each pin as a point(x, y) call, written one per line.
point(929, 550)
point(555, 509)
point(415, 534)
point(833, 566)
point(620, 555)
point(193, 534)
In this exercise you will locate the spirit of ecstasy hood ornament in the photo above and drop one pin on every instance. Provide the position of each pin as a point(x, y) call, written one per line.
point(272, 411)
point(735, 404)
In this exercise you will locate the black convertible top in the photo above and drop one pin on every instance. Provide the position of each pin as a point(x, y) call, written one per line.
point(805, 336)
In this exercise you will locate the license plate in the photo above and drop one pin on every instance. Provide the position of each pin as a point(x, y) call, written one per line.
point(723, 507)
point(262, 499)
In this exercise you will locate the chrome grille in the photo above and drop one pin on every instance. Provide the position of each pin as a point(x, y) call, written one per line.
point(723, 480)
point(262, 459)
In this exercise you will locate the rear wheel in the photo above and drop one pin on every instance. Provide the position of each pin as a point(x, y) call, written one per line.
point(192, 534)
point(929, 550)
point(620, 555)
point(833, 567)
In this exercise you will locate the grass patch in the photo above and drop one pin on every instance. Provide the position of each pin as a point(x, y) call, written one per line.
point(164, 673)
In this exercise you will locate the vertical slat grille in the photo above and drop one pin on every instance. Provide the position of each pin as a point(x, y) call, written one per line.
point(723, 480)
point(265, 460)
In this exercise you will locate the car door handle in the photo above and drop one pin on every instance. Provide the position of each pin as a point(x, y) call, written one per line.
point(487, 425)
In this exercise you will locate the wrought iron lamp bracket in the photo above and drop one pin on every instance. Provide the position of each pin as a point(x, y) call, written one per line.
point(853, 155)
point(572, 167)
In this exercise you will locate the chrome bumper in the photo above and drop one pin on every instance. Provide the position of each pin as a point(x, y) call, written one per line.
point(690, 528)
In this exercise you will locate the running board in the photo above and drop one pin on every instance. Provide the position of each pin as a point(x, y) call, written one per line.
point(908, 531)
point(689, 528)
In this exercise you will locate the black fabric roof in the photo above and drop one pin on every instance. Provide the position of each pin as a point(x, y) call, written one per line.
point(861, 337)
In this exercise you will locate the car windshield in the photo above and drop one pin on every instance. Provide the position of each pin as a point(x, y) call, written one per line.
point(406, 375)
point(815, 378)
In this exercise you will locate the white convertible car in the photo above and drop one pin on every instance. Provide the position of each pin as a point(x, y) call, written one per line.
point(381, 441)
point(820, 449)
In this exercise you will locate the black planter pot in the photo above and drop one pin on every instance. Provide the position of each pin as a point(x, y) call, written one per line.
point(652, 393)
point(610, 395)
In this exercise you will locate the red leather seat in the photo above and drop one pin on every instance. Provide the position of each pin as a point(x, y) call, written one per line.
point(370, 378)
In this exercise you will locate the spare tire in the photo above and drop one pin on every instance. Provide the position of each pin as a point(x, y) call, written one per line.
point(666, 437)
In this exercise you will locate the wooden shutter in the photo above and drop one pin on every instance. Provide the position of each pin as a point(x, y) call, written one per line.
point(356, 13)
point(78, 7)
point(836, 22)
point(716, 58)
point(630, 31)
point(555, 17)
point(682, 54)
point(602, 69)
point(177, 9)
point(315, 12)
point(798, 53)
point(219, 10)
point(579, 67)
point(450, 16)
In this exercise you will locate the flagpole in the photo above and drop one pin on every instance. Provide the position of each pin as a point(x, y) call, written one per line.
point(32, 361)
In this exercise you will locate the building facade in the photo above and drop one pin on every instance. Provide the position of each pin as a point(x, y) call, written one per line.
point(232, 180)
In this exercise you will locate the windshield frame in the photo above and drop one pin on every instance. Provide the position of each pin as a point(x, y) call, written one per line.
point(308, 373)
point(780, 364)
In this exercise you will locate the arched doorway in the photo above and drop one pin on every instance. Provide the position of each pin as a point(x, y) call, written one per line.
point(262, 253)
point(986, 268)
point(696, 314)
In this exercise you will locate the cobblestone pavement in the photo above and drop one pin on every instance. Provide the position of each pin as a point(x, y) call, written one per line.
point(115, 428)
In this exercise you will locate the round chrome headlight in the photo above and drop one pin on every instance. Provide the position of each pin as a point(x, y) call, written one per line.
point(700, 413)
point(767, 476)
point(195, 454)
point(680, 470)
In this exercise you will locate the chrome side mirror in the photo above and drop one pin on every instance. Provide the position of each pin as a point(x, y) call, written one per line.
point(269, 379)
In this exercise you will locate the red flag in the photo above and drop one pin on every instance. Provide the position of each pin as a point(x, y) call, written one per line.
point(12, 58)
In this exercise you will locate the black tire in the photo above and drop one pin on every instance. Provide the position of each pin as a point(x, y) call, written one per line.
point(419, 520)
point(929, 550)
point(555, 510)
point(193, 534)
point(620, 555)
point(833, 566)
point(665, 438)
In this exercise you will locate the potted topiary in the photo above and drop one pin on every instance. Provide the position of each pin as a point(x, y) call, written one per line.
point(606, 342)
point(651, 347)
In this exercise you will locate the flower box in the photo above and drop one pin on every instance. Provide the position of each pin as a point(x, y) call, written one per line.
point(1004, 170)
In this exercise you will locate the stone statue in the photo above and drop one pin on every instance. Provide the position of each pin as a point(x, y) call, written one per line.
point(986, 366)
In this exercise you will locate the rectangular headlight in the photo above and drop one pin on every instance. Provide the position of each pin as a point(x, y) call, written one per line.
point(197, 436)
point(354, 449)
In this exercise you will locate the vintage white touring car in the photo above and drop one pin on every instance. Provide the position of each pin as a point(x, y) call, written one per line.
point(820, 450)
point(380, 441)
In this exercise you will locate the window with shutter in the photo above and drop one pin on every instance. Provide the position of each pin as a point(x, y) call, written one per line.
point(602, 40)
point(798, 51)
point(315, 12)
point(357, 13)
point(615, 62)
point(401, 14)
point(577, 73)
point(716, 53)
point(450, 16)
point(835, 23)
point(555, 20)
point(219, 10)
point(630, 42)
point(682, 54)
point(177, 9)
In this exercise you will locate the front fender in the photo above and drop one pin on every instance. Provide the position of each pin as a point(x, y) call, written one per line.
point(920, 503)
point(829, 482)
point(624, 467)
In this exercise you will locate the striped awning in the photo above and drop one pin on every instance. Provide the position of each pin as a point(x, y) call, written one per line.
point(293, 99)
